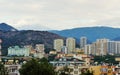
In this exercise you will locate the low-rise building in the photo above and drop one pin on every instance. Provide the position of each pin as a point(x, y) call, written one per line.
point(17, 51)
point(13, 69)
point(74, 65)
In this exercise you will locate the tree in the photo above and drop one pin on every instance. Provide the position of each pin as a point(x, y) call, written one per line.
point(105, 59)
point(47, 68)
point(3, 71)
point(36, 67)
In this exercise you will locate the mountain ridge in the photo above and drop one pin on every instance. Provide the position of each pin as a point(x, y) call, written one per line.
point(6, 27)
point(92, 33)
point(28, 37)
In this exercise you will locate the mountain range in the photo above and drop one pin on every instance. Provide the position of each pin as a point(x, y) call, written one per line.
point(12, 36)
point(29, 37)
point(6, 27)
point(92, 33)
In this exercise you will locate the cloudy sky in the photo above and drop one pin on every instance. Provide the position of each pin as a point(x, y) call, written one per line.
point(60, 14)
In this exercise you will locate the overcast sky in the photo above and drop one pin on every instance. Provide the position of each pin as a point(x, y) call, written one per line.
point(60, 14)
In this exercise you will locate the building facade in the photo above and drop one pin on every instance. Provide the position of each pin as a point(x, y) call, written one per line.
point(93, 48)
point(58, 44)
point(40, 50)
point(114, 47)
point(102, 46)
point(83, 42)
point(87, 49)
point(64, 50)
point(70, 44)
point(17, 51)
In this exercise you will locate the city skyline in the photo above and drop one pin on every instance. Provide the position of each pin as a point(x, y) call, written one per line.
point(60, 14)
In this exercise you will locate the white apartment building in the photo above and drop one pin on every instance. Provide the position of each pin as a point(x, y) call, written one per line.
point(17, 51)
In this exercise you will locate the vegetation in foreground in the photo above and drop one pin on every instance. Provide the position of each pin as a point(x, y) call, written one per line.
point(3, 70)
point(37, 67)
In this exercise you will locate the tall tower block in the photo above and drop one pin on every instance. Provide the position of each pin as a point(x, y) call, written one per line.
point(58, 44)
point(83, 42)
point(70, 44)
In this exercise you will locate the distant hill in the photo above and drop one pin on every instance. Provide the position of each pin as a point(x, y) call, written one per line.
point(29, 37)
point(6, 27)
point(92, 33)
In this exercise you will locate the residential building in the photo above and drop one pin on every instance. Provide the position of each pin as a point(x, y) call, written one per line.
point(114, 47)
point(102, 46)
point(40, 50)
point(32, 50)
point(108, 70)
point(93, 48)
point(13, 69)
point(58, 44)
point(79, 51)
point(17, 51)
point(87, 49)
point(40, 47)
point(64, 50)
point(79, 63)
point(70, 44)
point(74, 65)
point(83, 42)
point(104, 70)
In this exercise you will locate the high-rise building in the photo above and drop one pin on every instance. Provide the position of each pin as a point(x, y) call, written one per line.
point(114, 47)
point(93, 48)
point(70, 44)
point(118, 48)
point(102, 46)
point(58, 44)
point(83, 42)
point(87, 49)
point(40, 50)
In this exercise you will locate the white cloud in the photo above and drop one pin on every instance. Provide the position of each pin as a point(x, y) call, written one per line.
point(60, 14)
